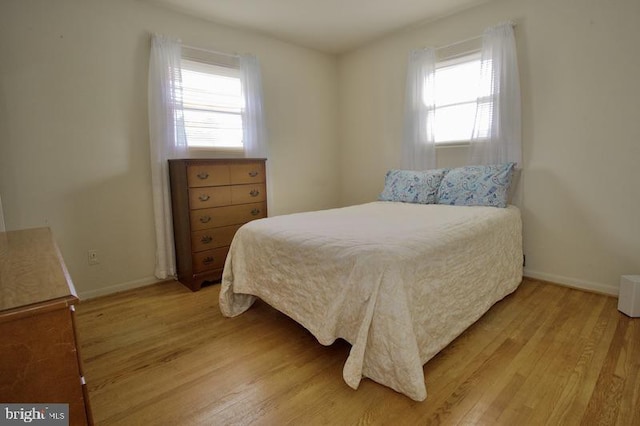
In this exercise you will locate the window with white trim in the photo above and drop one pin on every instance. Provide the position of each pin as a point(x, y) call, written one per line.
point(457, 87)
point(213, 103)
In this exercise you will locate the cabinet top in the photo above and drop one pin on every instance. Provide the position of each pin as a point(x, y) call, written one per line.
point(217, 160)
point(32, 270)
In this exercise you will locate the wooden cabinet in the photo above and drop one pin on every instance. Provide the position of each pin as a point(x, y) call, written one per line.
point(210, 200)
point(39, 359)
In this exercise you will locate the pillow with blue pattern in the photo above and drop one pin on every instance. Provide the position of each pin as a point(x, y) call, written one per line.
point(409, 186)
point(477, 186)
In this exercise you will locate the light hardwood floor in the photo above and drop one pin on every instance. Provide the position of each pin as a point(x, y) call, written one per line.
point(544, 355)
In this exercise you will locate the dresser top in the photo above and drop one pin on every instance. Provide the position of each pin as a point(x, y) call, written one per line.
point(229, 160)
point(32, 270)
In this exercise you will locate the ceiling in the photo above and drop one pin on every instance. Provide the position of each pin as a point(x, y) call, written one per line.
point(332, 26)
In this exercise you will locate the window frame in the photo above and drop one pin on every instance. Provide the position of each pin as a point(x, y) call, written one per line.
point(452, 61)
point(229, 67)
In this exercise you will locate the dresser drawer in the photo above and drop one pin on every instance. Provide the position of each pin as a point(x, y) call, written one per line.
point(213, 238)
point(207, 175)
point(229, 215)
point(249, 172)
point(209, 259)
point(38, 355)
point(210, 196)
point(242, 194)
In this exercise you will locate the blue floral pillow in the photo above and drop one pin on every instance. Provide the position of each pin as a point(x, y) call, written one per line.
point(410, 186)
point(477, 186)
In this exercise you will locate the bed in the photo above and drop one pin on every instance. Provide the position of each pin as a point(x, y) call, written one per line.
point(397, 280)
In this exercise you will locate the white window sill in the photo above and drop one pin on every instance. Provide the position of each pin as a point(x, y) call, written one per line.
point(452, 144)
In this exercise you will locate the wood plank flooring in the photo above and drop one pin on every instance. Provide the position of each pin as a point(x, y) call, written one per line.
point(544, 355)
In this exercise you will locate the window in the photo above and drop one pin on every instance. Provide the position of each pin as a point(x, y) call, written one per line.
point(213, 103)
point(457, 85)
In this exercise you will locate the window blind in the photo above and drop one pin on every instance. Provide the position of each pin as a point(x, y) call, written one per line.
point(213, 103)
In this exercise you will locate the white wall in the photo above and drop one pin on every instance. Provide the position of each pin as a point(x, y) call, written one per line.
point(74, 133)
point(581, 128)
point(74, 139)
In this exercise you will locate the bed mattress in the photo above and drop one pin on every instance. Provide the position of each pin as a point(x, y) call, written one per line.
point(398, 281)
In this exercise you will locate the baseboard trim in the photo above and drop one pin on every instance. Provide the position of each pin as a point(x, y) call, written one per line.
point(608, 289)
point(556, 279)
point(117, 288)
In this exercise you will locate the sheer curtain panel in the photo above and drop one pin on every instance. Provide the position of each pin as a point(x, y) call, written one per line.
point(418, 144)
point(2, 227)
point(253, 122)
point(167, 140)
point(497, 134)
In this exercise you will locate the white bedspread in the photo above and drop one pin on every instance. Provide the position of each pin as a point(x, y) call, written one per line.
point(398, 281)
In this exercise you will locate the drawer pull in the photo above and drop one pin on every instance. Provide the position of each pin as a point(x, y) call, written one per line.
point(205, 219)
point(204, 197)
point(207, 260)
point(203, 175)
point(253, 173)
point(206, 239)
point(254, 193)
point(255, 212)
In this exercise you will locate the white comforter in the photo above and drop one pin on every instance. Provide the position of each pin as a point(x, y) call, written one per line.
point(398, 281)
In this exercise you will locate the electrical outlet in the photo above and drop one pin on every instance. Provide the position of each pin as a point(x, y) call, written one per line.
point(92, 257)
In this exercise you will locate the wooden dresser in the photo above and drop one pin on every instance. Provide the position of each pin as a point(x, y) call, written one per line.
point(210, 200)
point(39, 359)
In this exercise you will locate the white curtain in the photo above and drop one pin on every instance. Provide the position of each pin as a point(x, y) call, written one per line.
point(418, 144)
point(167, 139)
point(497, 135)
point(253, 122)
point(2, 227)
